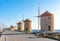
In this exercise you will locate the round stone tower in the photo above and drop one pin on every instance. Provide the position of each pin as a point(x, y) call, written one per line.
point(47, 22)
point(28, 26)
point(20, 26)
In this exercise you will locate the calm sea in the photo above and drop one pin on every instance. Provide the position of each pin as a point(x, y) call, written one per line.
point(34, 30)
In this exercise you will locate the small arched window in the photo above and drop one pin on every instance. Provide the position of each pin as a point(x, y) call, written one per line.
point(49, 28)
point(48, 17)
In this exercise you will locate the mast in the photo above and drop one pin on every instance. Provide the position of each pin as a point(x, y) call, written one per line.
point(23, 18)
point(38, 16)
point(23, 22)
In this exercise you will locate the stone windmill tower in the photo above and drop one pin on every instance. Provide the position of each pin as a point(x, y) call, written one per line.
point(20, 26)
point(47, 22)
point(28, 26)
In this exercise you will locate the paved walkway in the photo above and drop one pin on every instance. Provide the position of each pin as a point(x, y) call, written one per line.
point(23, 37)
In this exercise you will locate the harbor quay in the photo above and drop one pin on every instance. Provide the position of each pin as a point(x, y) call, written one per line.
point(21, 37)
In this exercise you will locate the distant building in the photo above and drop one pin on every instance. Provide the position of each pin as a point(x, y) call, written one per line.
point(28, 26)
point(13, 28)
point(47, 22)
point(20, 26)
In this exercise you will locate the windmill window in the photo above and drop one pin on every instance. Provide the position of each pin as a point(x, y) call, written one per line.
point(49, 28)
point(48, 17)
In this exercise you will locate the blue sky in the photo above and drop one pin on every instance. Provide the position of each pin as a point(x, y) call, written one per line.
point(11, 11)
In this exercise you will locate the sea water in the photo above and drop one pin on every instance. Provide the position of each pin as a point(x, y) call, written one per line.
point(36, 30)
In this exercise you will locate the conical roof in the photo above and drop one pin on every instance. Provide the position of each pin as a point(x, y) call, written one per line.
point(46, 14)
point(19, 23)
point(27, 20)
